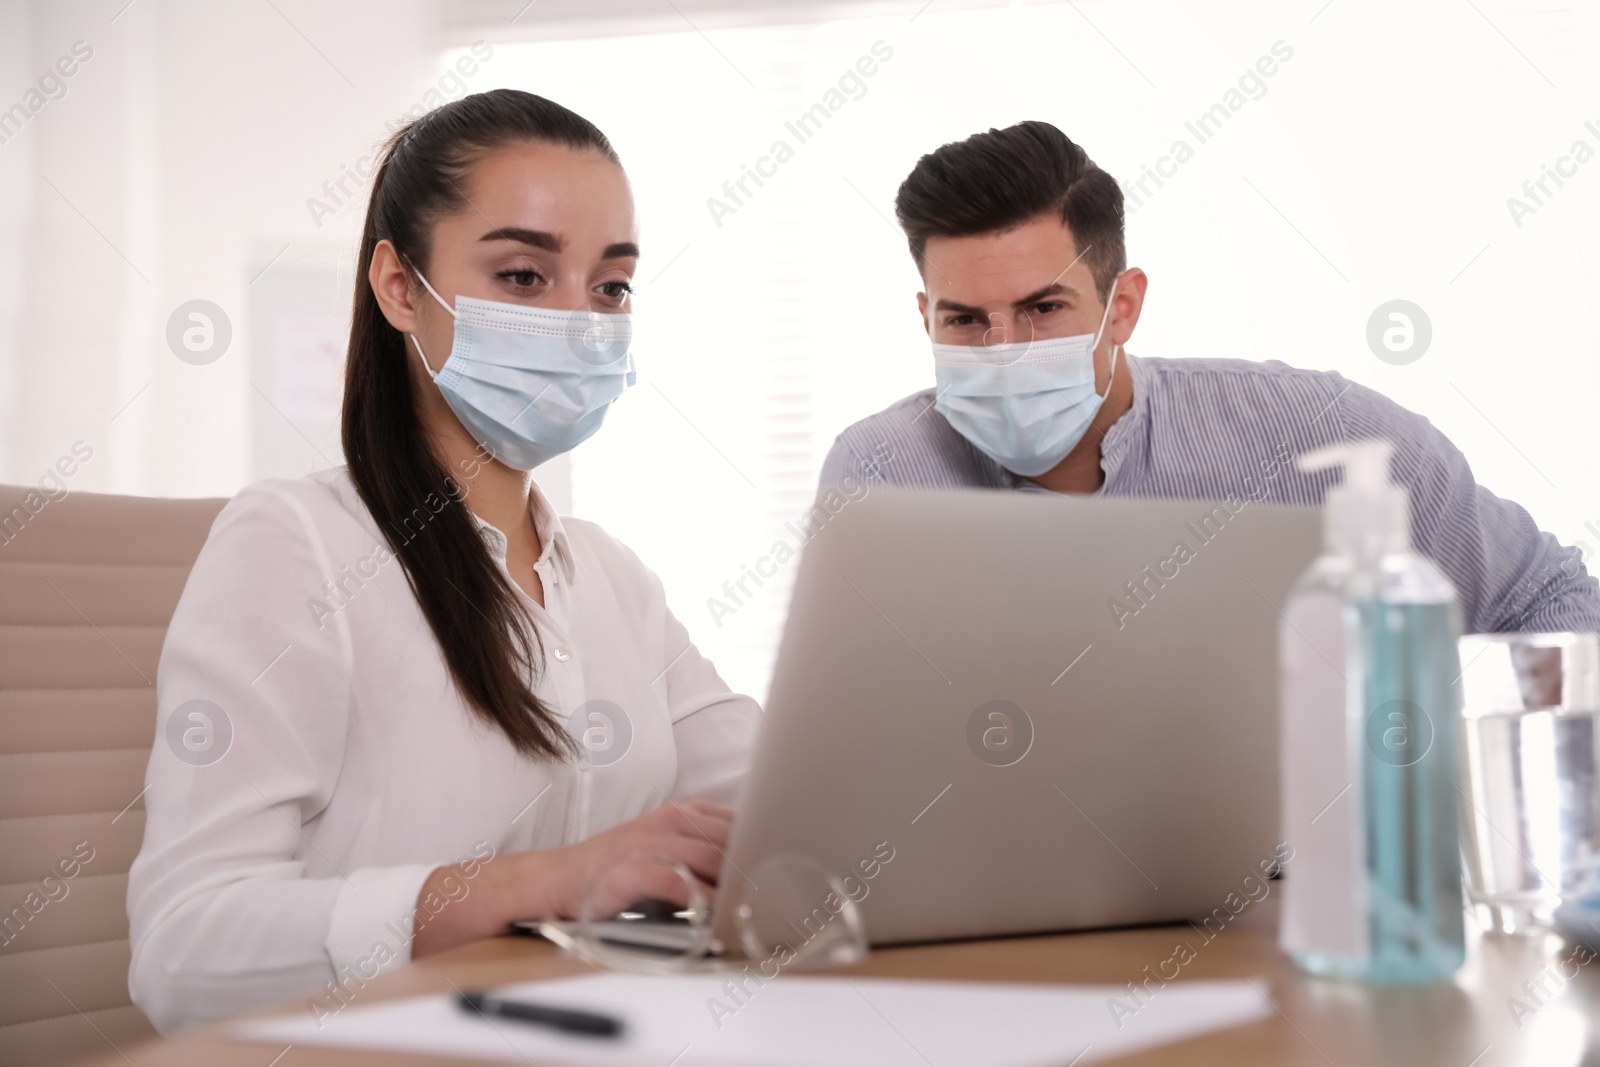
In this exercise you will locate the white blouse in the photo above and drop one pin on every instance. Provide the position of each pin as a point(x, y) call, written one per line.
point(293, 814)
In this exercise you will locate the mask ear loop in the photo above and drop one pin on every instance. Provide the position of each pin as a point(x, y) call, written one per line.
point(1116, 350)
point(420, 354)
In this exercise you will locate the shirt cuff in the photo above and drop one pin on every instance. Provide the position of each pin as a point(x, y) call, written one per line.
point(370, 929)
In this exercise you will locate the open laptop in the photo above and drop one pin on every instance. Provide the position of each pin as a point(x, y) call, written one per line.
point(1051, 713)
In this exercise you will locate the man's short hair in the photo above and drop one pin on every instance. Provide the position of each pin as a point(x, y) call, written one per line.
point(998, 180)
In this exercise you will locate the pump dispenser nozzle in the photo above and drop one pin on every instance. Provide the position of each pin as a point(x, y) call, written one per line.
point(1368, 516)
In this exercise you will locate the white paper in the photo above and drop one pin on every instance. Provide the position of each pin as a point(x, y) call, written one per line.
point(689, 1021)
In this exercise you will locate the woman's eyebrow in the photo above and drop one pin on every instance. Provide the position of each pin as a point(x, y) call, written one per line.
point(552, 243)
point(537, 238)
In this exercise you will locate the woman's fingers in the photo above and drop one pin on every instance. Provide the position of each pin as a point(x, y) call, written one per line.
point(709, 821)
point(690, 849)
point(627, 860)
point(609, 866)
point(640, 878)
point(665, 884)
point(716, 810)
point(704, 810)
point(694, 852)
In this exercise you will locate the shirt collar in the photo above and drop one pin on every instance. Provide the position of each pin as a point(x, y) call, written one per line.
point(1116, 450)
point(554, 545)
point(1127, 442)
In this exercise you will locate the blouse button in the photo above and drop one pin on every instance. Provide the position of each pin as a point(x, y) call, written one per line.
point(562, 654)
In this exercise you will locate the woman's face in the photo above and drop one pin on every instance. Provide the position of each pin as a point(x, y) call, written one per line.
point(543, 225)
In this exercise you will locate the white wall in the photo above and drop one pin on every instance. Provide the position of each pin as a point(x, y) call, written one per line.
point(1375, 165)
point(178, 166)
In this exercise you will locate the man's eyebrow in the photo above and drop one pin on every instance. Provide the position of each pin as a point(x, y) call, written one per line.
point(950, 305)
point(537, 238)
point(1053, 289)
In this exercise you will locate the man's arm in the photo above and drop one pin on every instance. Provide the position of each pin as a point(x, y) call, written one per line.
point(843, 468)
point(1509, 575)
point(1536, 583)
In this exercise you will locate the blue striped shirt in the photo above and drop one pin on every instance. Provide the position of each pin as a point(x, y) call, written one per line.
point(1215, 429)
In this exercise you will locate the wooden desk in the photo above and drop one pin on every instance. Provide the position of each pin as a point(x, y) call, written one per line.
point(1316, 1022)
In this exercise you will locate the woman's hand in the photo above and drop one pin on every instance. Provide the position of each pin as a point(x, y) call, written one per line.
point(551, 883)
point(694, 834)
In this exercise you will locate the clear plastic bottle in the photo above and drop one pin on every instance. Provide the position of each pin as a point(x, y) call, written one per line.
point(1370, 695)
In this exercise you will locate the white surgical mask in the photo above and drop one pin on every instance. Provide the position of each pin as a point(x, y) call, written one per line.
point(1024, 405)
point(530, 383)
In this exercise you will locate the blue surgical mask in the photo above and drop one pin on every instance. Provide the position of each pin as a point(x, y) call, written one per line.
point(530, 383)
point(1024, 405)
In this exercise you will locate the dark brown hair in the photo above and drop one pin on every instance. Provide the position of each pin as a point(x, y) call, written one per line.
point(1000, 179)
point(485, 634)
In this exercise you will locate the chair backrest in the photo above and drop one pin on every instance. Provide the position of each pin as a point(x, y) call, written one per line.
point(88, 584)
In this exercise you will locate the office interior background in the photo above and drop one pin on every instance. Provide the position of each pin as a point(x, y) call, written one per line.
point(1439, 152)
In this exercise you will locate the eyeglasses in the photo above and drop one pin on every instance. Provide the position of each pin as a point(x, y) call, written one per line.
point(789, 913)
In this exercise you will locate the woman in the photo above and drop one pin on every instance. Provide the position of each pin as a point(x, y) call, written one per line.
point(372, 684)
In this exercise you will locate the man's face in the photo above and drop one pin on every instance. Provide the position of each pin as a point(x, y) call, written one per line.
point(1030, 283)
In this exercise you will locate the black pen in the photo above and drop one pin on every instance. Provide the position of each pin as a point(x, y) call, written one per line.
point(567, 1020)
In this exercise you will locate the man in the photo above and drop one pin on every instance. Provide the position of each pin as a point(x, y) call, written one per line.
point(1028, 300)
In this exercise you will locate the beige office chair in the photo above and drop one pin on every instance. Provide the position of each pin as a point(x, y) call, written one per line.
point(88, 584)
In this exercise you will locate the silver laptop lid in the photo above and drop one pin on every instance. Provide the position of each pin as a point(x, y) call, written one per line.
point(999, 713)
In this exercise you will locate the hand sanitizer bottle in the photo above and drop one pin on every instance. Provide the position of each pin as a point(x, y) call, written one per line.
point(1370, 706)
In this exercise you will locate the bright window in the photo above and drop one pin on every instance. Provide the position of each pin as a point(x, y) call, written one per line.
point(1364, 167)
